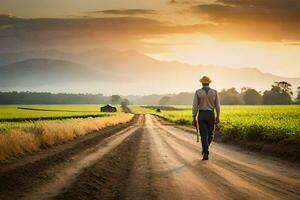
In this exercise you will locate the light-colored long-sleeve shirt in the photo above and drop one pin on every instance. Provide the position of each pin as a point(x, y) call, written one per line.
point(206, 101)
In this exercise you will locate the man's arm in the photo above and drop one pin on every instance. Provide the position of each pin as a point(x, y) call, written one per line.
point(218, 109)
point(195, 108)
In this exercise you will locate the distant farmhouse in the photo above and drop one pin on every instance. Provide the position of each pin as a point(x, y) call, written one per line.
point(108, 108)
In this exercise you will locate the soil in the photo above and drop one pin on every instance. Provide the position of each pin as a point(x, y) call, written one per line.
point(146, 159)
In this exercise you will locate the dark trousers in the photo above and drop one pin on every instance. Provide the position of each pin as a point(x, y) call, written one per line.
point(206, 121)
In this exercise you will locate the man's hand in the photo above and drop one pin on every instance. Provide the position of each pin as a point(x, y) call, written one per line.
point(194, 122)
point(218, 120)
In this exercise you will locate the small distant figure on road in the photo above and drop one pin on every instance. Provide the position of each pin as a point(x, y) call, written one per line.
point(206, 101)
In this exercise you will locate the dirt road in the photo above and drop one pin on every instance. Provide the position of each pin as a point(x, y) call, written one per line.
point(147, 160)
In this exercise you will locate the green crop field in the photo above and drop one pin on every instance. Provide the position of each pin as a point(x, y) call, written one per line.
point(260, 123)
point(15, 113)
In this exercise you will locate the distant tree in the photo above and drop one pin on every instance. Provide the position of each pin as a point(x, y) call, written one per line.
point(280, 94)
point(124, 102)
point(115, 99)
point(285, 87)
point(230, 97)
point(164, 100)
point(183, 98)
point(251, 96)
point(298, 95)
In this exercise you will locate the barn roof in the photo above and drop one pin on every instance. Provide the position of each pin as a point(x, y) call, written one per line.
point(108, 106)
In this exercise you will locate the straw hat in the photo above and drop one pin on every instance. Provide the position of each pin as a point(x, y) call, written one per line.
point(205, 80)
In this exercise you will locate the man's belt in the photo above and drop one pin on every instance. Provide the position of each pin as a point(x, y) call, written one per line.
point(205, 110)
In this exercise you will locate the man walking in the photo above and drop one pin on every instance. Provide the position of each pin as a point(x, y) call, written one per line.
point(206, 100)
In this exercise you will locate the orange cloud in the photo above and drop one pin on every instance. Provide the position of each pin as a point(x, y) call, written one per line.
point(126, 12)
point(118, 31)
point(266, 20)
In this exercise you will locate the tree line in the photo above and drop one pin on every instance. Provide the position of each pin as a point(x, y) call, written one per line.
point(279, 94)
point(50, 98)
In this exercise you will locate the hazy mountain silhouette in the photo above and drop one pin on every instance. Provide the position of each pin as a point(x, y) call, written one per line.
point(34, 72)
point(113, 71)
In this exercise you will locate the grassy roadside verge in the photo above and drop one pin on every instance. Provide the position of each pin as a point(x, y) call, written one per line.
point(27, 137)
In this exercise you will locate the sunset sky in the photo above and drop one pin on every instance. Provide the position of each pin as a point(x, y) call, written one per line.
point(264, 34)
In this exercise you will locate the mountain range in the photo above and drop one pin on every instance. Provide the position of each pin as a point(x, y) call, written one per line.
point(111, 71)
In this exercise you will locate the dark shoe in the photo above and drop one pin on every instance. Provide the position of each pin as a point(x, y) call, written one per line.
point(205, 157)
